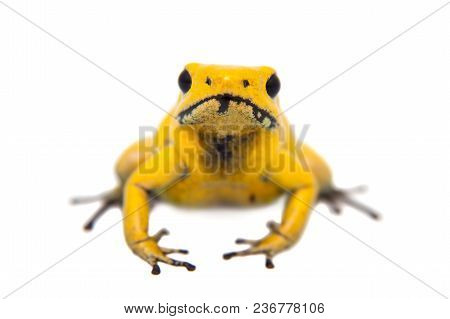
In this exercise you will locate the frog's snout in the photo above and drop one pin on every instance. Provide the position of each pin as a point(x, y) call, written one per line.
point(227, 109)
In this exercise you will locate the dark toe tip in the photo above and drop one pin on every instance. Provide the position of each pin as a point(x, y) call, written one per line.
point(376, 216)
point(190, 267)
point(88, 227)
point(156, 270)
point(240, 241)
point(269, 264)
point(183, 251)
point(228, 255)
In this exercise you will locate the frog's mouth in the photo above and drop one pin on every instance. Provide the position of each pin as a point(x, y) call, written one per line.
point(227, 109)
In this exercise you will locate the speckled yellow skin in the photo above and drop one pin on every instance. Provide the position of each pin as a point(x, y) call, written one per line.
point(172, 164)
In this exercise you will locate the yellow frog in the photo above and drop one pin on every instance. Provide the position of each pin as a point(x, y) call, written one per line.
point(226, 141)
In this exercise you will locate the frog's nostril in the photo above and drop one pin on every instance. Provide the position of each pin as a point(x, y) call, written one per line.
point(208, 81)
point(245, 83)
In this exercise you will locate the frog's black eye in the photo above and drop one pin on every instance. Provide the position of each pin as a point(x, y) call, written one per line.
point(184, 81)
point(273, 85)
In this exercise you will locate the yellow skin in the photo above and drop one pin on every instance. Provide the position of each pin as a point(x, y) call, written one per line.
point(226, 141)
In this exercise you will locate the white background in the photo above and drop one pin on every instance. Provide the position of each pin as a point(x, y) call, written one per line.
point(385, 123)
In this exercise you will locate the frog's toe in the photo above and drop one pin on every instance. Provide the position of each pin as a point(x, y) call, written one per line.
point(172, 262)
point(336, 198)
point(154, 259)
point(246, 241)
point(89, 225)
point(333, 205)
point(109, 200)
point(174, 251)
point(275, 242)
point(241, 253)
point(156, 270)
point(114, 195)
point(160, 234)
point(252, 251)
point(156, 254)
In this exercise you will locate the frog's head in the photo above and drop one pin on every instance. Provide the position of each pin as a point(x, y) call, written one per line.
point(222, 99)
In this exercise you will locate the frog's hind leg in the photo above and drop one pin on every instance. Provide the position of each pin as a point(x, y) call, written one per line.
point(335, 198)
point(109, 199)
point(127, 163)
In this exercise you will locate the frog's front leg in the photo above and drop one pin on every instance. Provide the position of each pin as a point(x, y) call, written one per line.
point(165, 172)
point(282, 236)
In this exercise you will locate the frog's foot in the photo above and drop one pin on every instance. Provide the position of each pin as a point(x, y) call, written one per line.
point(272, 244)
point(108, 200)
point(335, 198)
point(149, 250)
